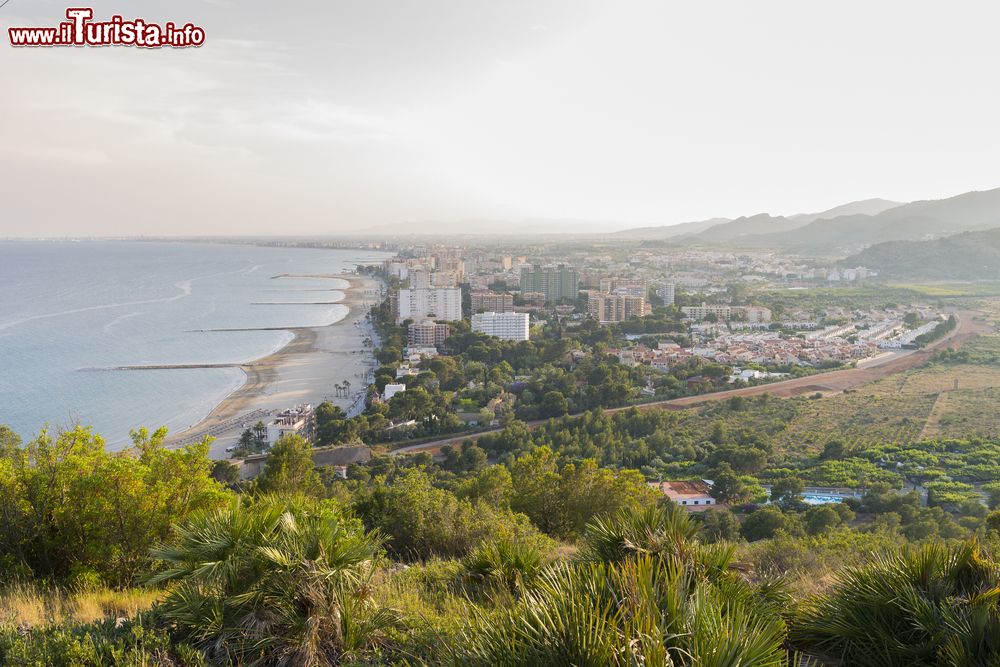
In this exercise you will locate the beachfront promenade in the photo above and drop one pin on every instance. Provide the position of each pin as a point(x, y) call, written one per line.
point(307, 370)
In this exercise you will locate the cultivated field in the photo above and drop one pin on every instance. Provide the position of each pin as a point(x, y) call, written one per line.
point(942, 399)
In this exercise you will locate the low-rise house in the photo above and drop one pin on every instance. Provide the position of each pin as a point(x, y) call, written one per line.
point(300, 420)
point(406, 370)
point(415, 353)
point(391, 390)
point(693, 496)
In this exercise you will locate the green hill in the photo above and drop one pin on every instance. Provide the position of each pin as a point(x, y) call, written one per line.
point(967, 256)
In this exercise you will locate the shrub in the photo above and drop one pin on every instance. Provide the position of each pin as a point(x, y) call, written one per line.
point(108, 643)
point(936, 605)
point(643, 611)
point(282, 581)
point(504, 564)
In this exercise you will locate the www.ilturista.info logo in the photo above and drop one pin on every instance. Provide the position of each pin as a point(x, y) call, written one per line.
point(80, 30)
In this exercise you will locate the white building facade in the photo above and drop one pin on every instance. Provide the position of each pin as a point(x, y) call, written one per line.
point(506, 326)
point(430, 303)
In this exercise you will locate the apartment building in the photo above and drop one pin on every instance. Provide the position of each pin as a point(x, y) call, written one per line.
point(443, 303)
point(722, 312)
point(556, 283)
point(667, 292)
point(506, 326)
point(492, 301)
point(704, 311)
point(606, 308)
point(427, 334)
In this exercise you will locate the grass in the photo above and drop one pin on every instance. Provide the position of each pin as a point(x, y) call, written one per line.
point(857, 419)
point(27, 606)
point(936, 400)
point(986, 288)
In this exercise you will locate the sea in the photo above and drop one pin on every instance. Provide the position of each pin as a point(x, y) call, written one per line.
point(72, 312)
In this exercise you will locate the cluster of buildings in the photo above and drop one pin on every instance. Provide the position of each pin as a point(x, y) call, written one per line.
point(770, 348)
point(725, 313)
point(662, 357)
point(502, 283)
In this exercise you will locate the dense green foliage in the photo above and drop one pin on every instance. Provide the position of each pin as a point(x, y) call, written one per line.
point(133, 643)
point(71, 510)
point(930, 606)
point(284, 581)
point(537, 544)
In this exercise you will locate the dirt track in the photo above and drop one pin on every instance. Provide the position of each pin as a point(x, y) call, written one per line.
point(826, 383)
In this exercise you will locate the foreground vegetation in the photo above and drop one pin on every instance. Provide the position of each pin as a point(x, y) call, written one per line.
point(559, 553)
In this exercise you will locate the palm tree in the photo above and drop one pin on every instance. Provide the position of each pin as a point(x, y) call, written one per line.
point(656, 530)
point(644, 611)
point(936, 605)
point(279, 581)
point(642, 591)
point(504, 564)
point(260, 433)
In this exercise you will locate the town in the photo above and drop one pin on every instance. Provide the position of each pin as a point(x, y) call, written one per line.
point(676, 322)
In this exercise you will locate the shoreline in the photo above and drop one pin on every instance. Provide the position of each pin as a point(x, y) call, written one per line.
point(305, 370)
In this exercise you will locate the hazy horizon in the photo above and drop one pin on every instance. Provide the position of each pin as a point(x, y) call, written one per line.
point(350, 118)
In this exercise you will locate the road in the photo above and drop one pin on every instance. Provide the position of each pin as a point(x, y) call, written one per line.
point(969, 326)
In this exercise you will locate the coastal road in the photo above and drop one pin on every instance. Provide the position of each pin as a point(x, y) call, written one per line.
point(970, 325)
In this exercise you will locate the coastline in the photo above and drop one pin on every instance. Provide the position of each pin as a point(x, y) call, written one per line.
point(305, 370)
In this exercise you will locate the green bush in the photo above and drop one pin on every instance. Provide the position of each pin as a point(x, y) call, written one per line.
point(643, 611)
point(936, 605)
point(276, 581)
point(135, 643)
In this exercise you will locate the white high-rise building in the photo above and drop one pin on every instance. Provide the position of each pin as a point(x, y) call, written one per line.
point(506, 326)
point(430, 304)
point(666, 292)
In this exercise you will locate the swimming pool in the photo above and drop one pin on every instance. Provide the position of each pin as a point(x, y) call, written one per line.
point(820, 498)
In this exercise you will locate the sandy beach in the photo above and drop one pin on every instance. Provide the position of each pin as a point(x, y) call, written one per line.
point(304, 371)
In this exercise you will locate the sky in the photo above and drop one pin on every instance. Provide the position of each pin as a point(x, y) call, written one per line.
point(314, 118)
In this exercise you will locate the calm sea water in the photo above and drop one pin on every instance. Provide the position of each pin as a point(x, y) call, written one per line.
point(69, 308)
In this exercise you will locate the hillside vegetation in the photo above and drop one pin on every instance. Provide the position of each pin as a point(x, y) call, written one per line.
point(967, 256)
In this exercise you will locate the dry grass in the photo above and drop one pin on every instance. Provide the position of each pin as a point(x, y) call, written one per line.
point(921, 403)
point(857, 419)
point(29, 607)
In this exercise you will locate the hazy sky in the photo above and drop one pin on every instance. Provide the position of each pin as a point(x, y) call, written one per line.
point(320, 117)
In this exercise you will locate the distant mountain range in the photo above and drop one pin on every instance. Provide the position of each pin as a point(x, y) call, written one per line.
point(727, 229)
point(965, 256)
point(670, 231)
point(849, 228)
point(863, 207)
